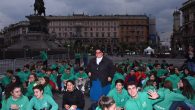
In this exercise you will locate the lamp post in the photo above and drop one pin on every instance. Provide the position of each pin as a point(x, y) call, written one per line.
point(4, 53)
point(180, 51)
point(68, 51)
point(25, 52)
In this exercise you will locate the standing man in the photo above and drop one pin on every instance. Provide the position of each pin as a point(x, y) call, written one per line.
point(101, 71)
point(191, 59)
point(77, 58)
point(44, 58)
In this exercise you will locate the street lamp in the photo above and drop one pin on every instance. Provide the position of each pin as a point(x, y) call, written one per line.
point(180, 50)
point(25, 52)
point(68, 51)
point(4, 52)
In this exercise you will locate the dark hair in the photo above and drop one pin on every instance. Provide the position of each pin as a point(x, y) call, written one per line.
point(18, 82)
point(46, 81)
point(18, 70)
point(68, 69)
point(48, 69)
point(27, 66)
point(105, 102)
point(187, 89)
point(189, 72)
point(131, 83)
point(39, 86)
point(119, 81)
point(154, 73)
point(70, 81)
point(168, 85)
point(14, 86)
point(149, 83)
point(36, 79)
point(157, 64)
point(10, 71)
point(98, 48)
point(81, 69)
point(10, 89)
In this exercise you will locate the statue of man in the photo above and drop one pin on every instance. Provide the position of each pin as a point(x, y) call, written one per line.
point(39, 7)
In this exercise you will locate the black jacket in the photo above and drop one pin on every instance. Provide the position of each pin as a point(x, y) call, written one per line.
point(102, 71)
point(75, 97)
point(190, 59)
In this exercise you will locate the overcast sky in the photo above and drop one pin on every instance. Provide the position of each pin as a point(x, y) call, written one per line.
point(12, 11)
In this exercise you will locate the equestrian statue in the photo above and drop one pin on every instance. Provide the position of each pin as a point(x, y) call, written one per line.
point(39, 7)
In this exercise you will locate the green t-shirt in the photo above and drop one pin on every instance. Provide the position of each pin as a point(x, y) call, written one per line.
point(44, 56)
point(98, 108)
point(174, 80)
point(47, 90)
point(77, 55)
point(147, 88)
point(40, 74)
point(116, 76)
point(191, 80)
point(161, 72)
point(142, 102)
point(188, 101)
point(168, 99)
point(54, 66)
point(23, 75)
point(30, 91)
point(22, 103)
point(53, 77)
point(66, 76)
point(46, 102)
point(5, 81)
point(81, 75)
point(61, 69)
point(119, 98)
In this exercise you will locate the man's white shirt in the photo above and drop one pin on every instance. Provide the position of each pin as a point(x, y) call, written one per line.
point(98, 60)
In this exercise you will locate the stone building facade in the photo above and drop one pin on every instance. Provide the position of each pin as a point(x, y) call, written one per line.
point(108, 32)
point(84, 32)
point(188, 24)
point(14, 32)
point(184, 31)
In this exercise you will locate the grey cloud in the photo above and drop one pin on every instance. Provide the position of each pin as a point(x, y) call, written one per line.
point(16, 10)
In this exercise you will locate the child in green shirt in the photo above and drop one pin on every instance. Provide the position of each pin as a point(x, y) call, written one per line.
point(47, 88)
point(119, 94)
point(67, 75)
point(7, 78)
point(141, 100)
point(16, 101)
point(41, 101)
point(31, 82)
point(81, 79)
point(187, 90)
point(169, 98)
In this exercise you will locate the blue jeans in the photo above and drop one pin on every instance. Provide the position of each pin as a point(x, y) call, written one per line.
point(97, 90)
point(76, 109)
point(191, 66)
point(176, 104)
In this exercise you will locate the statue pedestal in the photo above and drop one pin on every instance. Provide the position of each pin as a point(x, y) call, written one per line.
point(38, 24)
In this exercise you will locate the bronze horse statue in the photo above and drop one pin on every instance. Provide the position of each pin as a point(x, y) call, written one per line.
point(39, 8)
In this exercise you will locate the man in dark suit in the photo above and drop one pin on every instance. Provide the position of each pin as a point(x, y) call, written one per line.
point(101, 71)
